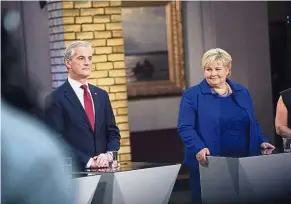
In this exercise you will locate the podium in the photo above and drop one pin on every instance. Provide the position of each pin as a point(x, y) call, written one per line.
point(85, 187)
point(134, 182)
point(247, 179)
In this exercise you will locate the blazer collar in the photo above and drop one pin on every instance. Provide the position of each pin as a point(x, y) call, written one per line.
point(206, 89)
point(73, 99)
point(71, 96)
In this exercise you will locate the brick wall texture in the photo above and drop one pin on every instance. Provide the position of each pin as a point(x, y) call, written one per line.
point(99, 23)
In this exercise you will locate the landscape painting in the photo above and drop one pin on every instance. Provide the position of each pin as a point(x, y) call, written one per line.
point(152, 48)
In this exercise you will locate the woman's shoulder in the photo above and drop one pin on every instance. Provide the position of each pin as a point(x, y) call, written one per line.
point(236, 85)
point(286, 96)
point(239, 87)
point(193, 90)
point(286, 92)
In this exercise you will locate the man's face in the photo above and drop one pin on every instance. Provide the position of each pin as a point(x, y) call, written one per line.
point(81, 64)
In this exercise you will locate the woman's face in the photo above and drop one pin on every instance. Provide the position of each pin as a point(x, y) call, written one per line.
point(215, 73)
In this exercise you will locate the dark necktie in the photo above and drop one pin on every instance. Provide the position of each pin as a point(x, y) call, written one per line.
point(88, 106)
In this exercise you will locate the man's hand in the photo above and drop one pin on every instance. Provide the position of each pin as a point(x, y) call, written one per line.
point(266, 145)
point(201, 156)
point(102, 160)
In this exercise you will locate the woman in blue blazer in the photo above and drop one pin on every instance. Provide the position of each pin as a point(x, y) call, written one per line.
point(217, 117)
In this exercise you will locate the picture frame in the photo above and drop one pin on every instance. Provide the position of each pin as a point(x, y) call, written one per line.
point(171, 80)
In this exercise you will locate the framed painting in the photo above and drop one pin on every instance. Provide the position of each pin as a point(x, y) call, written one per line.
point(153, 48)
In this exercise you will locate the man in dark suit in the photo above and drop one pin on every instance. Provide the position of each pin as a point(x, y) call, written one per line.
point(81, 113)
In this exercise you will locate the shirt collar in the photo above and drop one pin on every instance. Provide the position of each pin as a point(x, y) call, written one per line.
point(206, 89)
point(214, 92)
point(75, 84)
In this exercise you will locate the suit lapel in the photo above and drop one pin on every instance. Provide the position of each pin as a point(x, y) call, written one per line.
point(96, 106)
point(73, 99)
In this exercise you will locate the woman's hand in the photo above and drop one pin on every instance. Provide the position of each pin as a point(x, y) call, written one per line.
point(266, 151)
point(266, 145)
point(201, 156)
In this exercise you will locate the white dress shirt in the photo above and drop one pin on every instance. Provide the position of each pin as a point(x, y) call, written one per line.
point(80, 94)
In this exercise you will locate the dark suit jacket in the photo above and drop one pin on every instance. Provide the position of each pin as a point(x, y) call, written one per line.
point(286, 97)
point(65, 114)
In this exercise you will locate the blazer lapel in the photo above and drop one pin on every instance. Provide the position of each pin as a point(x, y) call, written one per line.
point(96, 106)
point(73, 99)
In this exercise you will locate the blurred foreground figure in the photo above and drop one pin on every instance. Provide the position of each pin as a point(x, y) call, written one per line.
point(31, 162)
point(31, 156)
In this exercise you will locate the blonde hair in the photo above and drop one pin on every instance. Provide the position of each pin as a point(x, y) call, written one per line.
point(217, 54)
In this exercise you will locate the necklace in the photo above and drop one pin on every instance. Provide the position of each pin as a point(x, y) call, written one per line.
point(226, 93)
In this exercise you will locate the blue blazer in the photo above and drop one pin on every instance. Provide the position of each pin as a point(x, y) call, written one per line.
point(199, 120)
point(65, 114)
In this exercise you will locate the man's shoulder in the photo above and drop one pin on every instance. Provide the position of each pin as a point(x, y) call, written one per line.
point(57, 92)
point(59, 89)
point(98, 90)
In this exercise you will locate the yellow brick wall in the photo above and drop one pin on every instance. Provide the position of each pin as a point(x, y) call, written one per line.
point(100, 23)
